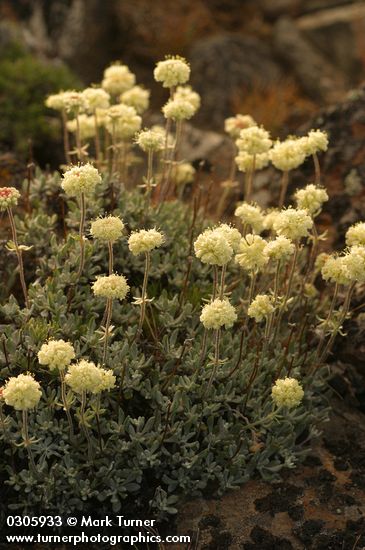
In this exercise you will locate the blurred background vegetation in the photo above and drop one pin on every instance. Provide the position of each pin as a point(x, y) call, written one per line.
point(279, 60)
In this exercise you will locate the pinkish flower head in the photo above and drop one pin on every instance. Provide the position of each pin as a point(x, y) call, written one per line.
point(8, 197)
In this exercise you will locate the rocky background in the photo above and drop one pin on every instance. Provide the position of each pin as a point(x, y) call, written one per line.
point(292, 64)
point(279, 59)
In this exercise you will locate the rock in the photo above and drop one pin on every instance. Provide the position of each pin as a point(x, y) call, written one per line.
point(224, 66)
point(260, 515)
point(339, 35)
point(316, 75)
point(272, 10)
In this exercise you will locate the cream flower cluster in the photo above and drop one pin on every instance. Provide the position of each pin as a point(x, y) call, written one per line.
point(111, 287)
point(123, 121)
point(56, 354)
point(287, 155)
point(150, 140)
point(231, 234)
point(22, 392)
point(184, 173)
point(354, 235)
point(56, 101)
point(74, 102)
point(251, 254)
point(217, 314)
point(188, 94)
point(254, 140)
point(333, 270)
point(117, 79)
point(85, 124)
point(178, 109)
point(145, 240)
point(9, 197)
point(136, 97)
point(321, 260)
point(172, 72)
point(250, 215)
point(212, 247)
point(287, 392)
point(96, 98)
point(270, 218)
point(354, 264)
point(234, 124)
point(293, 223)
point(311, 198)
point(261, 307)
point(315, 141)
point(80, 179)
point(85, 376)
point(347, 268)
point(109, 228)
point(280, 249)
point(245, 161)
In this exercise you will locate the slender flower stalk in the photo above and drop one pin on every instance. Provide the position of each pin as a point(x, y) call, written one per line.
point(110, 287)
point(149, 179)
point(144, 298)
point(143, 242)
point(65, 404)
point(169, 162)
point(342, 318)
point(19, 254)
point(288, 289)
point(327, 321)
point(26, 440)
point(5, 431)
point(109, 310)
point(97, 140)
point(317, 169)
point(66, 139)
point(111, 257)
point(217, 339)
point(249, 181)
point(275, 300)
point(283, 187)
point(81, 235)
point(84, 426)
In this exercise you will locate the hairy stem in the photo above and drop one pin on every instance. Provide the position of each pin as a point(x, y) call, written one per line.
point(19, 256)
point(66, 140)
point(217, 339)
point(250, 180)
point(283, 188)
point(27, 442)
point(107, 328)
point(111, 257)
point(144, 290)
point(81, 235)
point(84, 425)
point(344, 313)
point(97, 140)
point(317, 169)
point(65, 405)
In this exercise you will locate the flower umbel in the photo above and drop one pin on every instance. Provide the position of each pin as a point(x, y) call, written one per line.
point(56, 354)
point(287, 392)
point(111, 286)
point(9, 197)
point(172, 71)
point(217, 314)
point(293, 223)
point(109, 228)
point(145, 240)
point(22, 392)
point(261, 307)
point(78, 180)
